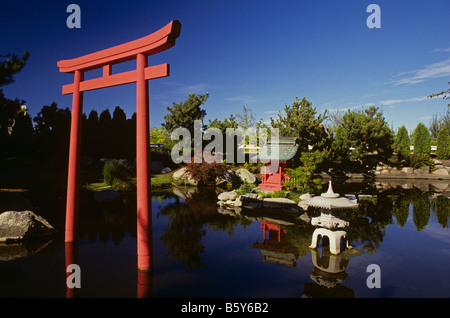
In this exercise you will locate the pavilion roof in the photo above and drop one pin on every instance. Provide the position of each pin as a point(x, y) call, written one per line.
point(279, 149)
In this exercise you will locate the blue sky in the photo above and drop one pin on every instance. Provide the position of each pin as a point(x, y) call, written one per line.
point(258, 54)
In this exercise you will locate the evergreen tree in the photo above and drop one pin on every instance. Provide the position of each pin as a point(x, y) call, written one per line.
point(229, 122)
point(119, 133)
point(11, 66)
point(53, 132)
point(9, 109)
point(362, 132)
point(402, 144)
point(301, 121)
point(443, 144)
point(22, 136)
point(422, 140)
point(183, 114)
point(91, 139)
point(131, 130)
point(105, 134)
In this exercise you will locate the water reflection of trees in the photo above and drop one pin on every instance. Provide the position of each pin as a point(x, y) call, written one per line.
point(186, 227)
point(440, 208)
point(106, 221)
point(424, 206)
point(190, 219)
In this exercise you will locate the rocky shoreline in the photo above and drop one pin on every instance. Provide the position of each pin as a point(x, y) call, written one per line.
point(232, 200)
point(439, 171)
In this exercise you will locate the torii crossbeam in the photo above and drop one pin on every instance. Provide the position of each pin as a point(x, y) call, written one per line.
point(139, 49)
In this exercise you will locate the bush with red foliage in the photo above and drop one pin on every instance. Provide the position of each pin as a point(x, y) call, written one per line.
point(205, 173)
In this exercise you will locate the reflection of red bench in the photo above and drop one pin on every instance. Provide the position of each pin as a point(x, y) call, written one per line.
point(138, 50)
point(269, 226)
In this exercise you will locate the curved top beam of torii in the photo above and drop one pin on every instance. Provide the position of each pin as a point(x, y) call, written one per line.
point(156, 42)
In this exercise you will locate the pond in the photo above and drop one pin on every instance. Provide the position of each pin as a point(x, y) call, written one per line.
point(200, 250)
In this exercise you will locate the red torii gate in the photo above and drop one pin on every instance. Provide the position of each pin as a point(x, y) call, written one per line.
point(139, 49)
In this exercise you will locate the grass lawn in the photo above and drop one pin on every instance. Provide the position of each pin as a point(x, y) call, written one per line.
point(161, 180)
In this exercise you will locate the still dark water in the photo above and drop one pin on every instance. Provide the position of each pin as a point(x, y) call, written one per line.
point(199, 251)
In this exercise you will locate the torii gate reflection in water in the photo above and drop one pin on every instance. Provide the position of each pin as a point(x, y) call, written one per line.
point(156, 42)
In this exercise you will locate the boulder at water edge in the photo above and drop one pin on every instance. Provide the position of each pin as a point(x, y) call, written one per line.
point(246, 176)
point(22, 225)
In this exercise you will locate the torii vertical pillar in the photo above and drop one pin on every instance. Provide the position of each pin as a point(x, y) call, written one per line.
point(73, 174)
point(156, 42)
point(142, 165)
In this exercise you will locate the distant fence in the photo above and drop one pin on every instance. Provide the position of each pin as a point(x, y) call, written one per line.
point(433, 148)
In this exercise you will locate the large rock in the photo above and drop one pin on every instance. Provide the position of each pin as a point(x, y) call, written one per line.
point(278, 202)
point(182, 175)
point(225, 196)
point(166, 170)
point(251, 197)
point(422, 170)
point(407, 170)
point(23, 225)
point(442, 172)
point(188, 179)
point(305, 196)
point(245, 176)
point(179, 174)
point(228, 178)
point(251, 200)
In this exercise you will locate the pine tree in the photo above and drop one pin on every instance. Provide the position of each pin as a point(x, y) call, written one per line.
point(182, 115)
point(362, 132)
point(105, 133)
point(301, 121)
point(11, 66)
point(119, 132)
point(422, 140)
point(443, 144)
point(402, 144)
point(9, 109)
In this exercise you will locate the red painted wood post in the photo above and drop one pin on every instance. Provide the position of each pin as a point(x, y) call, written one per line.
point(73, 177)
point(154, 43)
point(142, 166)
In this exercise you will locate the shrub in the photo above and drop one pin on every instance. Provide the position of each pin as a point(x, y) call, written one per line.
point(443, 144)
point(417, 161)
point(279, 194)
point(401, 145)
point(117, 174)
point(206, 173)
point(302, 177)
point(245, 188)
point(253, 168)
point(422, 140)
